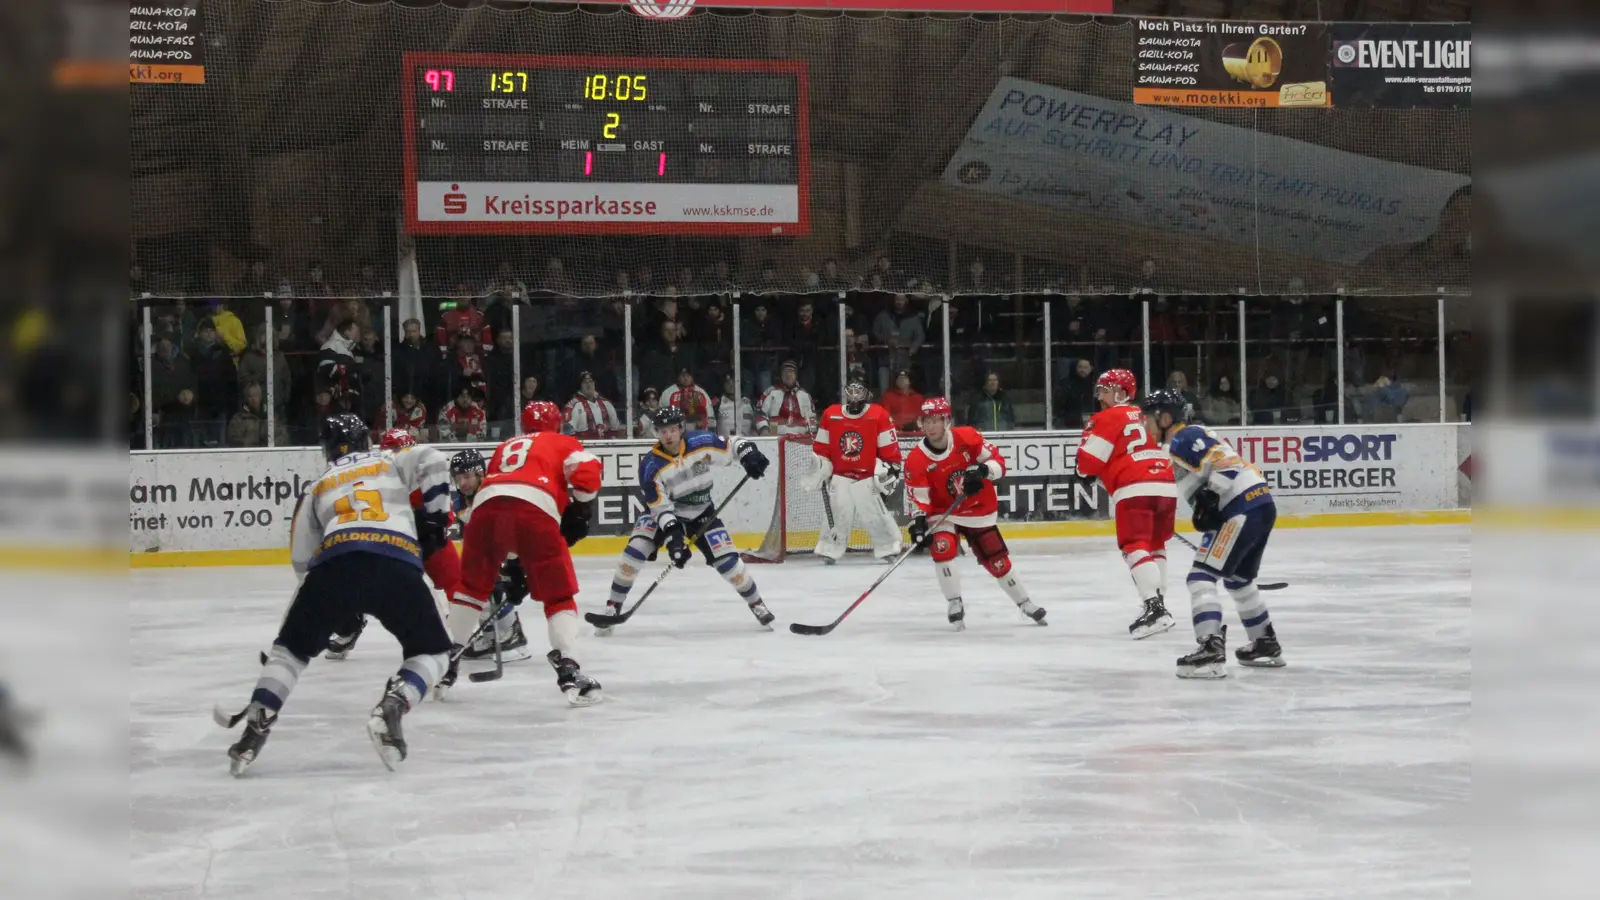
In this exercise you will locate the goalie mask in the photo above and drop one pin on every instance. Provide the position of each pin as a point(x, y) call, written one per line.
point(856, 398)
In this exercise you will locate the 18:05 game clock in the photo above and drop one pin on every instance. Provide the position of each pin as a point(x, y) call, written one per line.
point(524, 144)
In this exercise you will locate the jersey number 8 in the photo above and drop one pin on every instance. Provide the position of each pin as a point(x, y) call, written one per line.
point(516, 454)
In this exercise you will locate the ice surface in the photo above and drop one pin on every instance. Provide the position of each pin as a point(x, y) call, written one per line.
point(891, 759)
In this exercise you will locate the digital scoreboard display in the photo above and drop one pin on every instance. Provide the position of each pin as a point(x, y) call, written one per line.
point(521, 144)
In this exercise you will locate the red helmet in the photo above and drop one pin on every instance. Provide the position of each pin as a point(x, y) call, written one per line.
point(935, 406)
point(541, 415)
point(1118, 378)
point(396, 438)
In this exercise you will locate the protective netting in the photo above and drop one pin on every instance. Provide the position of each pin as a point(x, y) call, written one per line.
point(975, 156)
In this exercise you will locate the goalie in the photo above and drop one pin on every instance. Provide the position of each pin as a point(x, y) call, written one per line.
point(858, 463)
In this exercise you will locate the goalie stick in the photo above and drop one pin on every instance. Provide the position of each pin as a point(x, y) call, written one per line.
point(601, 620)
point(1260, 586)
point(798, 628)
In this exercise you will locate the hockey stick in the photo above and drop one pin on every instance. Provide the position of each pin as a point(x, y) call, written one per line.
point(499, 670)
point(1260, 586)
point(797, 628)
point(601, 620)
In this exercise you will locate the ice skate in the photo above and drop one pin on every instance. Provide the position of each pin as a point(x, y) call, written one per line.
point(384, 725)
point(257, 726)
point(829, 561)
point(1033, 611)
point(762, 614)
point(579, 689)
point(512, 649)
point(612, 609)
point(448, 679)
point(957, 614)
point(1209, 660)
point(1263, 652)
point(340, 645)
point(1154, 620)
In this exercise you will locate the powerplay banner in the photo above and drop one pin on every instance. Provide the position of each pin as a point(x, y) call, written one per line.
point(1401, 66)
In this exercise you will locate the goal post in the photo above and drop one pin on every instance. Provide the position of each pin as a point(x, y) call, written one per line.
point(798, 514)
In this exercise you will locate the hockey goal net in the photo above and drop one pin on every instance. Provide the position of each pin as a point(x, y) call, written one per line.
point(799, 514)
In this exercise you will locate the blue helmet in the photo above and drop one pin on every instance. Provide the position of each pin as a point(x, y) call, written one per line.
point(1169, 401)
point(343, 434)
point(467, 461)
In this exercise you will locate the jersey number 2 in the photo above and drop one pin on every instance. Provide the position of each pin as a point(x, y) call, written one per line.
point(371, 511)
point(1144, 436)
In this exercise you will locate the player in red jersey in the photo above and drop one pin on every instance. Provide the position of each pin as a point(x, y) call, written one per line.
point(535, 502)
point(1137, 473)
point(956, 465)
point(858, 461)
point(439, 560)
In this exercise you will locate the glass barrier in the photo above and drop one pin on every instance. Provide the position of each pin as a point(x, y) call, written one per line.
point(459, 368)
point(1391, 360)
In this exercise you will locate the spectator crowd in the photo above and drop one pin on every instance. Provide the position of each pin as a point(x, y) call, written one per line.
point(281, 353)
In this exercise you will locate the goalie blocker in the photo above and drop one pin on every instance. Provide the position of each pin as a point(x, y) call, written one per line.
point(956, 467)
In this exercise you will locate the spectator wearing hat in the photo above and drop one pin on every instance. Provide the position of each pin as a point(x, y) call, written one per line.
point(903, 403)
point(691, 398)
point(786, 406)
point(529, 392)
point(591, 359)
point(229, 329)
point(411, 415)
point(589, 415)
point(645, 425)
point(463, 420)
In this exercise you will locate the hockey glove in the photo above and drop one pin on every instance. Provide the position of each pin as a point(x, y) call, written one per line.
point(514, 582)
point(918, 530)
point(677, 543)
point(1207, 517)
point(888, 479)
point(972, 480)
point(753, 460)
point(575, 523)
point(431, 536)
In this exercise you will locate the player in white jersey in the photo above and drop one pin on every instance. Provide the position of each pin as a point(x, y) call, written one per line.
point(675, 480)
point(1234, 511)
point(358, 549)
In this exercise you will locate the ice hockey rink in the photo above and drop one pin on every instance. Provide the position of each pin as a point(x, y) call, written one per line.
point(891, 759)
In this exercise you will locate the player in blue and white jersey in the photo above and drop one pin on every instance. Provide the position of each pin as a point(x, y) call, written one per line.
point(1234, 511)
point(358, 546)
point(675, 480)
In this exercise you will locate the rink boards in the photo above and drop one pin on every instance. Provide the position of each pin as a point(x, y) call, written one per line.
point(232, 507)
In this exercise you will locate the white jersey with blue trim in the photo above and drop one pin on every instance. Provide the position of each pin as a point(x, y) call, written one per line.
point(362, 503)
point(1202, 460)
point(681, 484)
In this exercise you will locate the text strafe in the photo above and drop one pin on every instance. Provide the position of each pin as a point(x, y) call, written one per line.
point(525, 205)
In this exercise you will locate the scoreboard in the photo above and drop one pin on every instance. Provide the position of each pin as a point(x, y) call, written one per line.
point(523, 144)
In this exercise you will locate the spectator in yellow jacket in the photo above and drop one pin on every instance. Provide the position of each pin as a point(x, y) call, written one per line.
point(229, 328)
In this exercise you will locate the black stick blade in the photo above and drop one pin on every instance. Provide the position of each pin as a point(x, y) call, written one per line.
point(601, 620)
point(797, 628)
point(226, 719)
point(481, 677)
point(1272, 586)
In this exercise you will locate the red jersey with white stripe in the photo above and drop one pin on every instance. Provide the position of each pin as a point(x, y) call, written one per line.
point(854, 444)
point(546, 469)
point(933, 477)
point(1117, 450)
